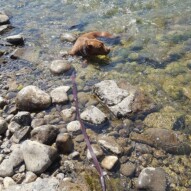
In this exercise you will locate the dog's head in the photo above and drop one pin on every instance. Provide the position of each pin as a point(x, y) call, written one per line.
point(95, 47)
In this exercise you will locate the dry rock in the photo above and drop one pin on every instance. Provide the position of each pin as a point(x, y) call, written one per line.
point(109, 162)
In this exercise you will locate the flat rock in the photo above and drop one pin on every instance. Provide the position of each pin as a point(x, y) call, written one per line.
point(15, 39)
point(97, 150)
point(110, 144)
point(122, 100)
point(59, 66)
point(173, 142)
point(37, 157)
point(153, 179)
point(45, 134)
point(93, 115)
point(59, 94)
point(3, 125)
point(32, 98)
point(8, 164)
point(109, 162)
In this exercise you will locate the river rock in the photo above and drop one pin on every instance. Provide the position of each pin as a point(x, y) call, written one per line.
point(110, 144)
point(3, 28)
point(68, 114)
point(64, 143)
point(68, 37)
point(8, 164)
point(46, 184)
point(8, 181)
point(123, 100)
point(15, 39)
point(93, 115)
point(167, 118)
point(153, 179)
point(4, 19)
point(38, 157)
point(30, 54)
point(23, 118)
point(13, 127)
point(45, 134)
point(32, 98)
point(173, 142)
point(3, 125)
point(59, 66)
point(59, 94)
point(128, 169)
point(3, 102)
point(74, 127)
point(109, 162)
point(37, 122)
point(97, 150)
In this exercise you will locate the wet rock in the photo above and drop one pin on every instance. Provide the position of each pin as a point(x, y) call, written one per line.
point(45, 134)
point(8, 164)
point(3, 102)
point(21, 134)
point(123, 100)
point(74, 127)
point(68, 114)
point(23, 118)
point(153, 179)
point(4, 19)
point(30, 54)
point(93, 115)
point(128, 169)
point(64, 143)
point(32, 98)
point(167, 118)
point(59, 94)
point(15, 39)
point(171, 141)
point(3, 125)
point(110, 144)
point(97, 150)
point(30, 177)
point(46, 184)
point(68, 37)
point(37, 157)
point(59, 66)
point(8, 181)
point(109, 162)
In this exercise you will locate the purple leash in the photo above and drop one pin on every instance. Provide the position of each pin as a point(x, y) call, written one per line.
point(83, 129)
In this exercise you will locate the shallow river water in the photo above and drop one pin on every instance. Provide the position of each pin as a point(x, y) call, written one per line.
point(153, 51)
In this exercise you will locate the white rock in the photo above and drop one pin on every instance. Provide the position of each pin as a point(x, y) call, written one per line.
point(59, 66)
point(74, 127)
point(93, 115)
point(8, 181)
point(109, 162)
point(97, 150)
point(30, 177)
point(59, 94)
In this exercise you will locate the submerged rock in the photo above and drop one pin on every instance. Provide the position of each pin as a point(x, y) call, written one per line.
point(4, 19)
point(68, 37)
point(109, 162)
point(59, 66)
point(153, 179)
point(171, 141)
point(32, 98)
point(15, 39)
point(122, 101)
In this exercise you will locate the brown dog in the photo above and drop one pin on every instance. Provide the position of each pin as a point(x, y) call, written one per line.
point(87, 45)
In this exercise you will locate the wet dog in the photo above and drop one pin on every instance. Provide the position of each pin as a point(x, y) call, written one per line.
point(88, 45)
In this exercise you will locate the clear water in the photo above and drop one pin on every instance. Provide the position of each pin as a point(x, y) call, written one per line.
point(154, 52)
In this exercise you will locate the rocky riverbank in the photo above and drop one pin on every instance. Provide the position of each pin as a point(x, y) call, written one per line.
point(138, 143)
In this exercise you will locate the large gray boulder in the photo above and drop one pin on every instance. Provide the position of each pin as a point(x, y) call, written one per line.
point(32, 98)
point(38, 157)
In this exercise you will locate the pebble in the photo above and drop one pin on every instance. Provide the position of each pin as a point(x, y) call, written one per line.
point(74, 127)
point(109, 162)
point(59, 66)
